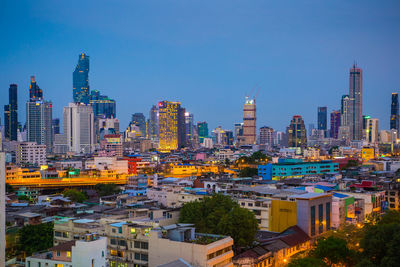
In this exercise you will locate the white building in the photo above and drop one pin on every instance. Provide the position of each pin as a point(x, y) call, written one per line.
point(207, 143)
point(91, 251)
point(372, 132)
point(31, 153)
point(78, 126)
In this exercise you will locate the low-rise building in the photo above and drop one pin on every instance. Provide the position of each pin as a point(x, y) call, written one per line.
point(30, 153)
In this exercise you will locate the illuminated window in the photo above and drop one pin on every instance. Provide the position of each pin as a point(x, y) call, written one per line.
point(133, 231)
point(69, 254)
point(113, 252)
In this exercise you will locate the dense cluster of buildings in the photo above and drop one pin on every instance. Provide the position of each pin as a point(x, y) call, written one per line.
point(305, 184)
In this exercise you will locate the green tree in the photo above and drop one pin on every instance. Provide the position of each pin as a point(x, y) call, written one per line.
point(333, 250)
point(33, 238)
point(351, 163)
point(75, 195)
point(107, 189)
point(307, 262)
point(248, 172)
point(219, 214)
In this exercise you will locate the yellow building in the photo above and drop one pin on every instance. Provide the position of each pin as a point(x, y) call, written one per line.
point(171, 124)
point(13, 173)
point(367, 153)
point(283, 214)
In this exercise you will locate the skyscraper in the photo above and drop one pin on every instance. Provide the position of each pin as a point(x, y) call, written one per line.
point(78, 128)
point(238, 132)
point(355, 107)
point(153, 123)
point(335, 123)
point(372, 131)
point(171, 121)
point(35, 93)
point(139, 120)
point(297, 135)
point(56, 126)
point(80, 81)
point(103, 106)
point(249, 122)
point(39, 117)
point(394, 112)
point(11, 114)
point(266, 135)
point(322, 119)
point(189, 128)
point(202, 130)
point(344, 110)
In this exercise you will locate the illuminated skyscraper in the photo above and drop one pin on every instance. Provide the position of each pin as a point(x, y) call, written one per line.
point(171, 125)
point(355, 107)
point(103, 106)
point(39, 117)
point(249, 122)
point(335, 123)
point(202, 130)
point(372, 130)
point(153, 123)
point(11, 114)
point(297, 135)
point(394, 112)
point(80, 80)
point(189, 128)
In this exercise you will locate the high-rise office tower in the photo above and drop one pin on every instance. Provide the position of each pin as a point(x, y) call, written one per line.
point(335, 123)
point(39, 117)
point(153, 123)
point(171, 126)
point(2, 209)
point(394, 112)
point(222, 137)
point(189, 128)
point(202, 130)
point(139, 120)
point(11, 114)
point(238, 132)
point(35, 93)
point(56, 126)
point(297, 135)
point(78, 128)
point(266, 135)
point(344, 110)
point(80, 80)
point(103, 106)
point(355, 107)
point(322, 118)
point(249, 122)
point(372, 130)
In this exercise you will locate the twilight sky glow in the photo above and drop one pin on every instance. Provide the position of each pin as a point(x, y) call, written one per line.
point(206, 54)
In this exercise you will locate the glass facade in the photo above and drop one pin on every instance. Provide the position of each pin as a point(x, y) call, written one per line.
point(328, 216)
point(103, 106)
point(11, 115)
point(202, 129)
point(80, 80)
point(320, 218)
point(394, 112)
point(322, 118)
point(171, 122)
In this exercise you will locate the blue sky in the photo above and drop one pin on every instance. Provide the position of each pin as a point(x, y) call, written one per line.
point(206, 54)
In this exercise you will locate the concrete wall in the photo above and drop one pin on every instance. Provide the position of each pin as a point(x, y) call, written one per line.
point(92, 253)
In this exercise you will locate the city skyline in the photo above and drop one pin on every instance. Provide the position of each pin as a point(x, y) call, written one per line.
point(136, 88)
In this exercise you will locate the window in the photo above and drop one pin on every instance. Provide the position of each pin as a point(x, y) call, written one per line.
point(144, 245)
point(144, 257)
point(120, 230)
point(137, 244)
point(137, 256)
point(121, 242)
point(113, 241)
point(58, 253)
point(320, 218)
point(328, 216)
point(113, 230)
point(250, 204)
point(56, 233)
point(69, 254)
point(312, 220)
point(102, 254)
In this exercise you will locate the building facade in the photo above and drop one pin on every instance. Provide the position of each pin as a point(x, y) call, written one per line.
point(372, 131)
point(266, 135)
point(249, 122)
point(103, 106)
point(355, 103)
point(30, 153)
point(80, 80)
point(171, 122)
point(202, 130)
point(335, 124)
point(297, 135)
point(394, 112)
point(153, 123)
point(322, 118)
point(11, 114)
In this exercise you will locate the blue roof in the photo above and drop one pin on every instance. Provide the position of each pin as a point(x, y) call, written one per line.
point(118, 224)
point(325, 188)
point(170, 179)
point(19, 204)
point(83, 221)
point(338, 195)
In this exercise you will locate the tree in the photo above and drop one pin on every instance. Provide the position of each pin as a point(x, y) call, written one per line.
point(75, 195)
point(219, 214)
point(23, 198)
point(333, 250)
point(248, 172)
point(33, 238)
point(307, 262)
point(351, 163)
point(107, 189)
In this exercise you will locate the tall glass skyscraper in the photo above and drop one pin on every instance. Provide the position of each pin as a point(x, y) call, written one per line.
point(394, 112)
point(80, 80)
point(103, 106)
point(202, 130)
point(11, 114)
point(35, 93)
point(335, 123)
point(355, 103)
point(171, 123)
point(322, 118)
point(139, 120)
point(153, 123)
